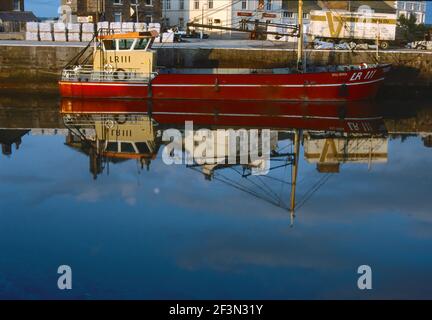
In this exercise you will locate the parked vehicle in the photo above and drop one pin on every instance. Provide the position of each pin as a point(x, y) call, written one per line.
point(355, 27)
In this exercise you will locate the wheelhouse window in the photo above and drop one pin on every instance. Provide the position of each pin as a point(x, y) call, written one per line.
point(127, 147)
point(141, 44)
point(109, 44)
point(112, 147)
point(142, 147)
point(126, 44)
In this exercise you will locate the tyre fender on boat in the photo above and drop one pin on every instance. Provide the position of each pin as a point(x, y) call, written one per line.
point(363, 65)
point(121, 74)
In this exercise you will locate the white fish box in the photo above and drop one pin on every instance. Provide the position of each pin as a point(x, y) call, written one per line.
point(60, 36)
point(74, 37)
point(168, 37)
point(88, 28)
point(46, 36)
point(128, 26)
point(103, 25)
point(154, 25)
point(32, 36)
point(59, 27)
point(45, 27)
point(32, 27)
point(116, 25)
point(87, 37)
point(140, 26)
point(74, 27)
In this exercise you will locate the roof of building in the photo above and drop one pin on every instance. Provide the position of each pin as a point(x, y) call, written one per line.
point(23, 16)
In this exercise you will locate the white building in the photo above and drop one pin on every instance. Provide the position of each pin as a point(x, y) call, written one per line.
point(227, 13)
point(409, 8)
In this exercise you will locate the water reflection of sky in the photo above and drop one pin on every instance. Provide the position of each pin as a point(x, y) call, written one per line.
point(200, 239)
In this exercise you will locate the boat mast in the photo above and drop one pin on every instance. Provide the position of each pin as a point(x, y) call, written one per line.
point(300, 37)
point(294, 172)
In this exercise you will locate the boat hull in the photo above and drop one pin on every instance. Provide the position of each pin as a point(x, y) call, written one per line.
point(357, 117)
point(351, 85)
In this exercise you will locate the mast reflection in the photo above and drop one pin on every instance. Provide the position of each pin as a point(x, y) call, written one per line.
point(331, 134)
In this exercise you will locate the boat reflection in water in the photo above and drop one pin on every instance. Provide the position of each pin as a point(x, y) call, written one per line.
point(111, 131)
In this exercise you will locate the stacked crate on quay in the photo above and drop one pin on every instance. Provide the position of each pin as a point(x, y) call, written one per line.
point(140, 26)
point(46, 31)
point(60, 32)
point(32, 31)
point(116, 27)
point(88, 31)
point(103, 27)
point(127, 27)
point(74, 32)
point(168, 37)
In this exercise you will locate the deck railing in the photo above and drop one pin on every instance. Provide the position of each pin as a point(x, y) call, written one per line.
point(86, 73)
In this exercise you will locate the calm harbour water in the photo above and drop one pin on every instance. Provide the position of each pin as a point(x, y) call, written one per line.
point(363, 197)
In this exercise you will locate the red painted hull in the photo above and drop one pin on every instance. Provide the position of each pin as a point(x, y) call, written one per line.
point(356, 117)
point(352, 85)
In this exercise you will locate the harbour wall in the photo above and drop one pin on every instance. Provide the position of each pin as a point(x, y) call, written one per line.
point(37, 67)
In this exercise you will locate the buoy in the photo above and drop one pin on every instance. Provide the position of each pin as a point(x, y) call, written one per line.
point(363, 66)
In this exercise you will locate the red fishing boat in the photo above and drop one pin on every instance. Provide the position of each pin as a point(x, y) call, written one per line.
point(123, 66)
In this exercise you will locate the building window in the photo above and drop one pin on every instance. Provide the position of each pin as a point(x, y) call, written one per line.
point(269, 5)
point(148, 19)
point(210, 4)
point(168, 4)
point(17, 5)
point(181, 23)
point(148, 2)
point(196, 5)
point(181, 7)
point(117, 17)
point(244, 4)
point(305, 16)
point(117, 1)
point(288, 14)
